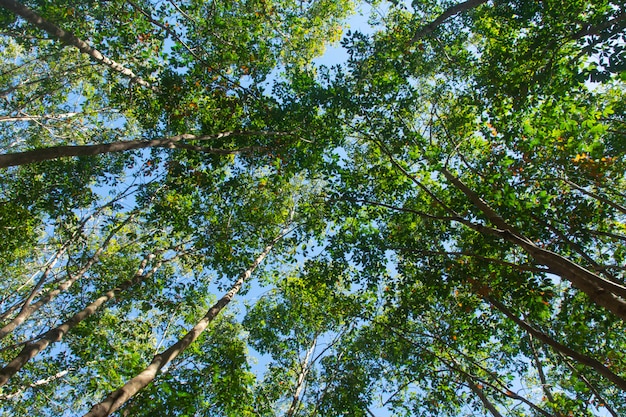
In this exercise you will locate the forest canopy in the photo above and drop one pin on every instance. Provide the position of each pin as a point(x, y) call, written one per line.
point(198, 219)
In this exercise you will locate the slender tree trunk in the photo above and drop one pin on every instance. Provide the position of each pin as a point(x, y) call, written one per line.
point(117, 398)
point(70, 39)
point(599, 290)
point(603, 292)
point(56, 334)
point(36, 384)
point(305, 366)
point(595, 195)
point(472, 381)
point(36, 289)
point(578, 357)
point(542, 376)
point(590, 386)
point(55, 152)
point(28, 309)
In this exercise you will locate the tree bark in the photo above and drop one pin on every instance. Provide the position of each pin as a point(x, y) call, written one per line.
point(41, 117)
point(55, 152)
point(70, 39)
point(542, 376)
point(590, 386)
point(36, 384)
point(117, 398)
point(28, 309)
point(305, 366)
point(56, 334)
point(601, 291)
point(483, 398)
point(578, 357)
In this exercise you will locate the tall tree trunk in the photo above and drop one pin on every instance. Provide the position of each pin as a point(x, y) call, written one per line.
point(117, 398)
point(56, 334)
point(305, 367)
point(542, 376)
point(578, 357)
point(25, 118)
point(70, 39)
point(55, 152)
point(37, 289)
point(603, 292)
point(28, 309)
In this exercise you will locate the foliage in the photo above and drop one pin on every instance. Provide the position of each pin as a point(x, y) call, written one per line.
point(453, 196)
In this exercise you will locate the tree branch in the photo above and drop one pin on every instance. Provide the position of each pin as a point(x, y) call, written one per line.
point(56, 334)
point(70, 39)
point(589, 385)
point(578, 357)
point(595, 195)
point(28, 309)
point(448, 13)
point(603, 292)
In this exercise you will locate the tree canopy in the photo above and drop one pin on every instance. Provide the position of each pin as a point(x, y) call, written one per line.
point(199, 220)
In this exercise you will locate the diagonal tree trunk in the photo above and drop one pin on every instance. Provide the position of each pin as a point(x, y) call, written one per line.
point(56, 334)
point(542, 376)
point(483, 398)
point(49, 265)
point(578, 357)
point(117, 398)
point(605, 293)
point(70, 39)
point(448, 13)
point(28, 309)
point(591, 387)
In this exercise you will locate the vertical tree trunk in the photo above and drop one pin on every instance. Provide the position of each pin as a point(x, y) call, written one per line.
point(305, 366)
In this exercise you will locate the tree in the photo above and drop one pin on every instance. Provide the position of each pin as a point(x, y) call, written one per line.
point(475, 188)
point(453, 196)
